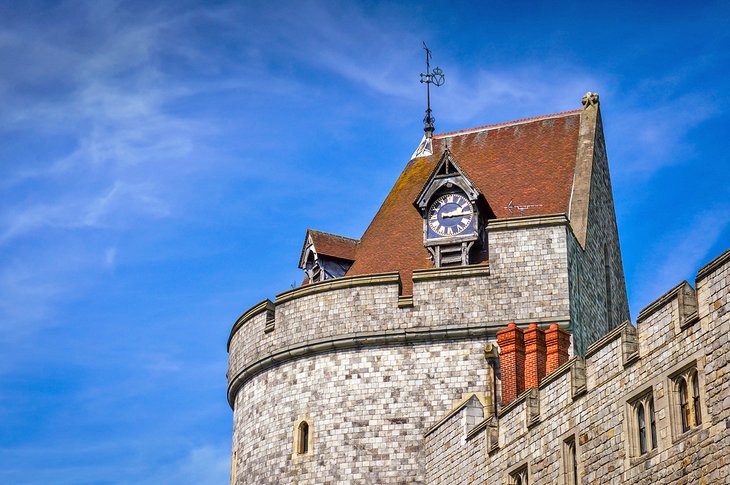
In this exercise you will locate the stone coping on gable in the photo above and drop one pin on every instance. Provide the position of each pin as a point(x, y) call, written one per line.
point(607, 339)
point(557, 373)
point(455, 410)
point(515, 402)
point(657, 304)
point(670, 295)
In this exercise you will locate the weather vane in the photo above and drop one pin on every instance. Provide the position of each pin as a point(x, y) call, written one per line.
point(437, 78)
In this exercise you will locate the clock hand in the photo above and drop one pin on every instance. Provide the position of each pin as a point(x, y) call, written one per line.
point(455, 214)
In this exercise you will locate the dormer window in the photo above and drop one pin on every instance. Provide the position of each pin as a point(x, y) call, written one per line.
point(326, 256)
point(312, 268)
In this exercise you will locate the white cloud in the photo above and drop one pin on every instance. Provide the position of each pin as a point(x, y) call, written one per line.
point(678, 255)
point(112, 208)
point(204, 465)
point(654, 134)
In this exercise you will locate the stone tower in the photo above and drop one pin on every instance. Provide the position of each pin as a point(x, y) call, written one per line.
point(338, 380)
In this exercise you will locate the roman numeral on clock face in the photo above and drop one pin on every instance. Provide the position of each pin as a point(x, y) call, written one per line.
point(450, 215)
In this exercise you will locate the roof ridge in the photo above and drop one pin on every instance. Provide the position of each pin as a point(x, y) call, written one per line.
point(333, 234)
point(467, 131)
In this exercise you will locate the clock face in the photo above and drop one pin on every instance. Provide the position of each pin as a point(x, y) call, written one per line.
point(450, 215)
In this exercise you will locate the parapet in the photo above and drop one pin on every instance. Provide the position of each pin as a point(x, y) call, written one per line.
point(450, 303)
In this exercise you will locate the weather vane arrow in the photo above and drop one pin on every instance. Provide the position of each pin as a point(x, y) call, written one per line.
point(437, 78)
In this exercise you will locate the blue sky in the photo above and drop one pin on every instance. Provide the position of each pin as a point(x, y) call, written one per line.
point(159, 166)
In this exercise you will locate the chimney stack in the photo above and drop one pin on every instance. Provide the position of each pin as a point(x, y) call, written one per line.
point(558, 343)
point(512, 362)
point(535, 356)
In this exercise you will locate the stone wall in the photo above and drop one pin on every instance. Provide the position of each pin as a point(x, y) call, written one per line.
point(588, 400)
point(526, 281)
point(588, 292)
point(368, 410)
point(373, 371)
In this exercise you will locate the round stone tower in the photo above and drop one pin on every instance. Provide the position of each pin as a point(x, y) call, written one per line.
point(339, 380)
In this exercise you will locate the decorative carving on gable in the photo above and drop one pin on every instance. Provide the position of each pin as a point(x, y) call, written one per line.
point(590, 99)
point(446, 175)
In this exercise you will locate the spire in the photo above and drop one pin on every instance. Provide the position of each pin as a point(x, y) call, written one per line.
point(437, 78)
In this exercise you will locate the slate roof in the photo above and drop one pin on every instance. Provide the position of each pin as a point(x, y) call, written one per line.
point(530, 161)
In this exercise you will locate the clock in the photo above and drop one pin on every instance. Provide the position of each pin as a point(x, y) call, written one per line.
point(450, 215)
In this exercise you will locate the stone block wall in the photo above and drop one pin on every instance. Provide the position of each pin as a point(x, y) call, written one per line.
point(371, 373)
point(526, 281)
point(675, 333)
point(587, 265)
point(369, 410)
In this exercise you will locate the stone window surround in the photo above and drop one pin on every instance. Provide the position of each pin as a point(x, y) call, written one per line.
point(297, 453)
point(566, 471)
point(684, 371)
point(519, 471)
point(646, 399)
point(234, 465)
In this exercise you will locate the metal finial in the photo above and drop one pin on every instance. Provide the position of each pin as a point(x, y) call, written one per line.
point(437, 78)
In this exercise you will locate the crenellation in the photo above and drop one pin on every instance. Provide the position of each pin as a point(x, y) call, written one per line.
point(601, 417)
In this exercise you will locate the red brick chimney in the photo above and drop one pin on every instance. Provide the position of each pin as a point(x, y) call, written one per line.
point(557, 342)
point(535, 356)
point(512, 362)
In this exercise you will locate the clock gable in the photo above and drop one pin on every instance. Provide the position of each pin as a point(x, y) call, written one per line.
point(452, 225)
point(446, 176)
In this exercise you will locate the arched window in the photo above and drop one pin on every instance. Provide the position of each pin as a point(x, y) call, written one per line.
point(642, 427)
point(653, 423)
point(686, 401)
point(643, 424)
point(683, 404)
point(570, 462)
point(696, 398)
point(519, 477)
point(302, 438)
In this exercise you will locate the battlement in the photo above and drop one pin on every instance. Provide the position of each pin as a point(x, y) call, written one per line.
point(682, 329)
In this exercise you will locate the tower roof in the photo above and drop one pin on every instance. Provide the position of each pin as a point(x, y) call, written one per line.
point(528, 163)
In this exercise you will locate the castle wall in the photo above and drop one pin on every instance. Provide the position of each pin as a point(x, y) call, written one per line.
point(526, 281)
point(590, 400)
point(368, 409)
point(373, 371)
point(587, 266)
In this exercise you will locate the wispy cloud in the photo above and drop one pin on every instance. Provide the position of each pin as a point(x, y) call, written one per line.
point(679, 255)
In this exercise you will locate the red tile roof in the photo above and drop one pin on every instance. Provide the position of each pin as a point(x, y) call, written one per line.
point(524, 162)
point(333, 245)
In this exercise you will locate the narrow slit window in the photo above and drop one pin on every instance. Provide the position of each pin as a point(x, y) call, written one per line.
point(607, 271)
point(653, 424)
point(683, 405)
point(642, 428)
point(696, 399)
point(570, 462)
point(303, 438)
